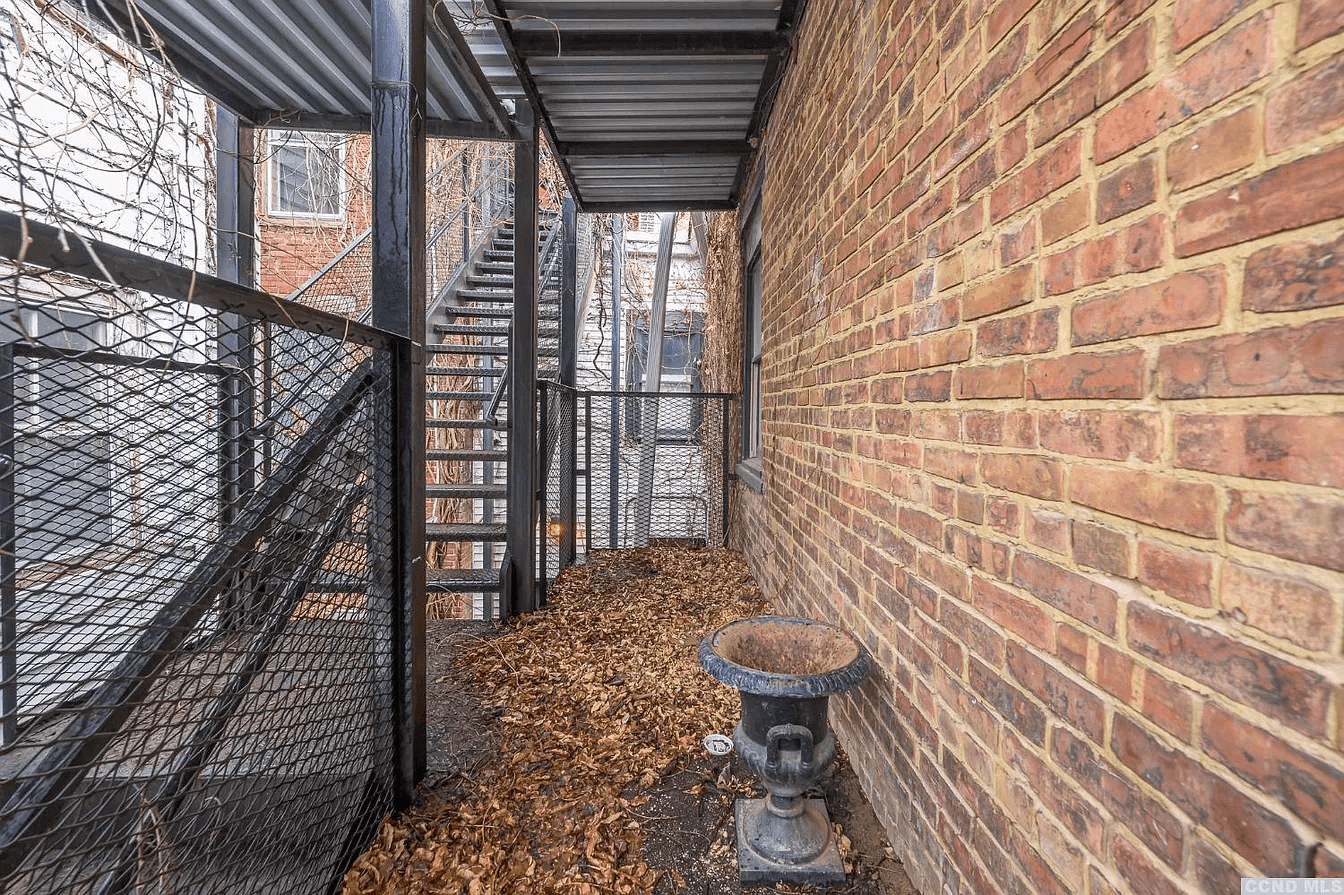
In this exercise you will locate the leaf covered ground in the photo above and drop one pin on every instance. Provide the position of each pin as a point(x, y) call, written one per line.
point(592, 704)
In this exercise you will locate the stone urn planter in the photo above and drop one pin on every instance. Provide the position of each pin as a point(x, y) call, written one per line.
point(786, 670)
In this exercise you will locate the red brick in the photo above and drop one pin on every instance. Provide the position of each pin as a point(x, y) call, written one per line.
point(922, 526)
point(1101, 548)
point(1065, 216)
point(1302, 192)
point(1010, 703)
point(1012, 147)
point(1141, 874)
point(1004, 17)
point(1064, 697)
point(1106, 434)
point(971, 507)
point(1192, 19)
point(1053, 62)
point(1266, 682)
point(1219, 147)
point(1282, 447)
point(1025, 474)
point(1023, 618)
point(1004, 381)
point(1007, 290)
point(1095, 85)
point(1121, 13)
point(1189, 507)
point(1071, 647)
point(1092, 603)
point(1183, 574)
point(1128, 189)
point(1148, 820)
point(1310, 105)
point(949, 464)
point(1295, 277)
point(1168, 705)
point(1285, 606)
point(993, 74)
point(950, 578)
point(1318, 19)
point(1235, 60)
point(1132, 249)
point(1008, 429)
point(1080, 376)
point(1299, 360)
point(1310, 788)
point(1057, 167)
point(1253, 831)
point(945, 348)
point(1115, 672)
point(1031, 333)
point(1003, 516)
point(929, 386)
point(1017, 242)
point(1184, 301)
point(1048, 529)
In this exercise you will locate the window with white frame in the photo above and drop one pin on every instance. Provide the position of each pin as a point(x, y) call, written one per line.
point(306, 175)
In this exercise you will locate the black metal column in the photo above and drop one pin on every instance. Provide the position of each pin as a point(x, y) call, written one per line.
point(522, 448)
point(569, 375)
point(399, 306)
point(236, 261)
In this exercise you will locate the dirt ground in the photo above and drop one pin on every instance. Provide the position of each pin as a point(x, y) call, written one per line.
point(565, 756)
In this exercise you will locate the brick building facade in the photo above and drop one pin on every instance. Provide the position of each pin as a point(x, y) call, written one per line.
point(1052, 348)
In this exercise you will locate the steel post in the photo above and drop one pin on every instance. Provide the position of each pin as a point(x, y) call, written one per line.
point(617, 331)
point(522, 374)
point(398, 163)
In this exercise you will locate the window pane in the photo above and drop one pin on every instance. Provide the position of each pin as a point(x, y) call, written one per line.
point(307, 174)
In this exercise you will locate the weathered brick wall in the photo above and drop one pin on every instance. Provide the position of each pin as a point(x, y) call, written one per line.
point(1053, 350)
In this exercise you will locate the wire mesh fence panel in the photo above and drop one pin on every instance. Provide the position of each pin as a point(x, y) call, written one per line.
point(196, 678)
point(642, 468)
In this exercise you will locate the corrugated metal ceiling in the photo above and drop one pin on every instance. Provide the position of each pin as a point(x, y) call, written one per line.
point(307, 62)
point(649, 104)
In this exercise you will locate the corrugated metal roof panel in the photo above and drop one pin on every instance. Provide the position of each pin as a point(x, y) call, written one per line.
point(649, 102)
point(309, 61)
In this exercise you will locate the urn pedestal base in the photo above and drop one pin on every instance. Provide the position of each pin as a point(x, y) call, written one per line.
point(798, 850)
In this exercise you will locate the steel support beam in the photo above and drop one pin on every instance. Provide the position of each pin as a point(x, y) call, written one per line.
point(662, 149)
point(236, 261)
point(617, 330)
point(569, 375)
point(544, 43)
point(398, 98)
point(521, 526)
point(653, 377)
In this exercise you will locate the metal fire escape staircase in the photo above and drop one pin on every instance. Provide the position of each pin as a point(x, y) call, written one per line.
point(468, 344)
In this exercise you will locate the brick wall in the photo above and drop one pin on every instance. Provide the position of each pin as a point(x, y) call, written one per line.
point(1053, 349)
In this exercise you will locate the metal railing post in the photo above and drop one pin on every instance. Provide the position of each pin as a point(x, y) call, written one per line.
point(544, 464)
point(399, 307)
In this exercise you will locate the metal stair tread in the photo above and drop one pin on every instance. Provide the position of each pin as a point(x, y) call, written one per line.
point(497, 425)
point(467, 456)
point(451, 348)
point(465, 531)
point(470, 329)
point(462, 580)
point(458, 396)
point(486, 372)
point(465, 492)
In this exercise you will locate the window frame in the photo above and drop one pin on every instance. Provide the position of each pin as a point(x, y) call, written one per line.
point(750, 469)
point(636, 369)
point(278, 139)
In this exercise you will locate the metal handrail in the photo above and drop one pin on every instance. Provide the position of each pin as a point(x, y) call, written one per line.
point(549, 250)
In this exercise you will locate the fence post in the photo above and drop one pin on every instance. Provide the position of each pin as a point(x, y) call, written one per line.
point(726, 473)
point(544, 480)
point(399, 307)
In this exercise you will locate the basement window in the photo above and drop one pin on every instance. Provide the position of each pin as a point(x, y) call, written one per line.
point(306, 175)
